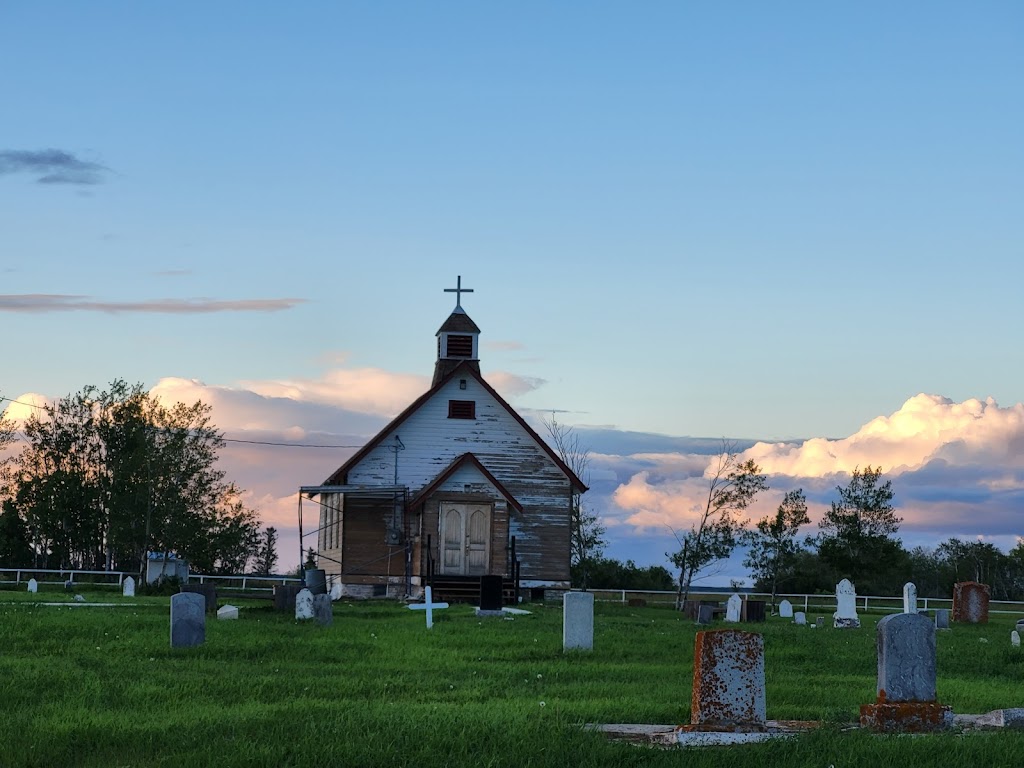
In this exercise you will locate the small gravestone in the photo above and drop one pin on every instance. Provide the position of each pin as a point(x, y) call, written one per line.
point(428, 606)
point(208, 591)
point(323, 613)
point(188, 620)
point(128, 587)
point(800, 618)
point(970, 602)
point(732, 608)
point(845, 616)
point(491, 588)
point(906, 678)
point(1020, 625)
point(786, 609)
point(820, 622)
point(79, 599)
point(705, 614)
point(33, 585)
point(69, 586)
point(227, 612)
point(578, 621)
point(304, 605)
point(910, 597)
point(942, 618)
point(284, 597)
point(1015, 639)
point(728, 680)
point(336, 590)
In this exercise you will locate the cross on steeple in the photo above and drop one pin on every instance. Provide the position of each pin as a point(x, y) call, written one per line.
point(458, 290)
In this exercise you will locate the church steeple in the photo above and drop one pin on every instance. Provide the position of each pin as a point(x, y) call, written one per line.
point(458, 339)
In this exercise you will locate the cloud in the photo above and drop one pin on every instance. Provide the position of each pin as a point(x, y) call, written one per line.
point(957, 469)
point(511, 385)
point(51, 166)
point(47, 302)
point(362, 390)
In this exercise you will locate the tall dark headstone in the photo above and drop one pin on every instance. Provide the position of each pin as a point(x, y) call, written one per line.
point(491, 588)
point(284, 597)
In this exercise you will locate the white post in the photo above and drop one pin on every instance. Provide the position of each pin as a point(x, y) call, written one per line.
point(623, 597)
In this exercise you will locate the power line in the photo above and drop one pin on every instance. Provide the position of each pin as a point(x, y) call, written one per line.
point(225, 439)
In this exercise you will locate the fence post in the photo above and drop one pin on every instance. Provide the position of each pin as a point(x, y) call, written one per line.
point(623, 597)
point(806, 608)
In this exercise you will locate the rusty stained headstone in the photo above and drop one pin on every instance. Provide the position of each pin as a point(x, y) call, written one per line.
point(906, 701)
point(728, 681)
point(970, 602)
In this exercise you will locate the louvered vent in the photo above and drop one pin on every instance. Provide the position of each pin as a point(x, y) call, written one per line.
point(460, 346)
point(461, 409)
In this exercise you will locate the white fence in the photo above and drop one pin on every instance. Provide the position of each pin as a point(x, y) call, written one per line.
point(809, 603)
point(247, 582)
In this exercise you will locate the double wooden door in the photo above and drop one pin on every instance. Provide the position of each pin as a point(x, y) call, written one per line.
point(465, 538)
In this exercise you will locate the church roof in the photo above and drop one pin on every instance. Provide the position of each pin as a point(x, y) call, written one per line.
point(458, 322)
point(464, 368)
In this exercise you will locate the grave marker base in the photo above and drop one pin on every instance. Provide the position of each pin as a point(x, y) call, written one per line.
point(906, 717)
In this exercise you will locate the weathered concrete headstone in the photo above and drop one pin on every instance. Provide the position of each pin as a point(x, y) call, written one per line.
point(820, 622)
point(284, 597)
point(800, 618)
point(128, 587)
point(786, 609)
point(336, 590)
point(728, 680)
point(208, 591)
point(906, 678)
point(1020, 625)
point(910, 597)
point(323, 613)
point(970, 602)
point(845, 616)
point(491, 588)
point(942, 618)
point(227, 612)
point(33, 585)
point(1015, 639)
point(732, 608)
point(428, 605)
point(188, 620)
point(578, 621)
point(79, 599)
point(304, 605)
point(705, 614)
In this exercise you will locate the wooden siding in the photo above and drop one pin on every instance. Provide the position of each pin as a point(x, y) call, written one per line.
point(364, 551)
point(433, 441)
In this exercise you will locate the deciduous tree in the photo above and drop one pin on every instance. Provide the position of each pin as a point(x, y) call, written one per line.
point(773, 542)
point(732, 486)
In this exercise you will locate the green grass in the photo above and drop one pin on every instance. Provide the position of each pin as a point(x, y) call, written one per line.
point(98, 686)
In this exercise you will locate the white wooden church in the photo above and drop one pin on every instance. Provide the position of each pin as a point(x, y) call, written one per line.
point(457, 486)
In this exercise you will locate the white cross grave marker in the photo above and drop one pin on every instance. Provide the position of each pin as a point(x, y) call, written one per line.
point(428, 605)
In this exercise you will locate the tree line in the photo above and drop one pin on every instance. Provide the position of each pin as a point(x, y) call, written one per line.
point(105, 476)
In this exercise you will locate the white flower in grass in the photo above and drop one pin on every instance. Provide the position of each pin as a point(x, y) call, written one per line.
point(543, 704)
point(539, 676)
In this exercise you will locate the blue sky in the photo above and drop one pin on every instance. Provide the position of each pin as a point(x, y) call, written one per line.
point(771, 222)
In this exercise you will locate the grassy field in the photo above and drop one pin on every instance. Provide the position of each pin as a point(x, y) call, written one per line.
point(101, 686)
